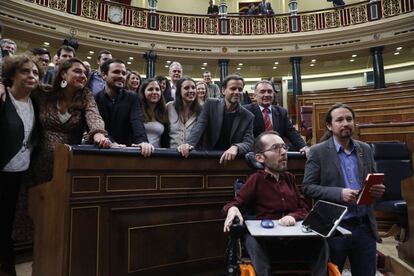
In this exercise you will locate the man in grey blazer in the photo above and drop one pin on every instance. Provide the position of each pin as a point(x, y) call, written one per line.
point(335, 171)
point(223, 124)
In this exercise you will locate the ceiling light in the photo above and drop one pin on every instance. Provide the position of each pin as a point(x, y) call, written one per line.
point(238, 68)
point(166, 66)
point(46, 43)
point(91, 52)
point(274, 67)
point(168, 61)
point(352, 60)
point(88, 57)
point(396, 53)
point(276, 62)
point(313, 60)
point(354, 55)
point(128, 62)
point(312, 64)
point(398, 48)
point(240, 64)
point(131, 58)
point(204, 63)
point(203, 68)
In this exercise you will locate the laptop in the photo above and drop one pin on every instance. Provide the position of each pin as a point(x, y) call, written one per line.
point(324, 218)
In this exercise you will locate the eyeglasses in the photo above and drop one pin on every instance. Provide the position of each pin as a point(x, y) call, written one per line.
point(276, 147)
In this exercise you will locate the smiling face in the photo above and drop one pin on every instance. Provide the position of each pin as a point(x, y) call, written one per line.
point(133, 82)
point(175, 72)
point(233, 92)
point(264, 94)
point(152, 93)
point(201, 91)
point(115, 79)
point(26, 77)
point(188, 91)
point(76, 76)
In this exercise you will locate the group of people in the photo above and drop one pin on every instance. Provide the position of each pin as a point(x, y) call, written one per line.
point(334, 171)
point(112, 107)
point(263, 8)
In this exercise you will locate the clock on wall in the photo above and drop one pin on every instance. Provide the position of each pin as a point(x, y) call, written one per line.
point(115, 14)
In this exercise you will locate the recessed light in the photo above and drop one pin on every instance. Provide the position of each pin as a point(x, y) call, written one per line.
point(166, 66)
point(396, 53)
point(276, 62)
point(88, 57)
point(398, 48)
point(203, 68)
point(313, 60)
point(168, 61)
point(352, 60)
point(91, 52)
point(204, 63)
point(312, 64)
point(274, 67)
point(46, 43)
point(128, 62)
point(238, 68)
point(354, 55)
point(240, 64)
point(131, 58)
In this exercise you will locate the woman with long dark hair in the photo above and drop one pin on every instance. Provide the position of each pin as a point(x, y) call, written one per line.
point(183, 112)
point(65, 111)
point(155, 113)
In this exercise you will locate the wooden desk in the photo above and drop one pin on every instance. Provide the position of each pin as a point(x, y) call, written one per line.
point(113, 212)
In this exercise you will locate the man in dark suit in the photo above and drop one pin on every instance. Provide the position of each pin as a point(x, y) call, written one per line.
point(271, 117)
point(120, 108)
point(334, 171)
point(212, 9)
point(223, 124)
point(265, 8)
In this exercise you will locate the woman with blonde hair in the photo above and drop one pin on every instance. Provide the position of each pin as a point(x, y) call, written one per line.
point(133, 81)
point(202, 92)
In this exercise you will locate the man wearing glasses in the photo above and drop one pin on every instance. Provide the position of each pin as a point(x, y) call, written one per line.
point(274, 195)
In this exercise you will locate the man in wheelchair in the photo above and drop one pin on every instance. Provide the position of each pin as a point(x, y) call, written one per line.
point(272, 194)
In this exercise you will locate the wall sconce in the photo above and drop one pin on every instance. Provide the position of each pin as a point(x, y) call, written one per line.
point(223, 9)
point(152, 5)
point(293, 7)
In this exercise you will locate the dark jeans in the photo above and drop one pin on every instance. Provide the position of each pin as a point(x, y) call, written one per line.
point(261, 250)
point(360, 248)
point(9, 191)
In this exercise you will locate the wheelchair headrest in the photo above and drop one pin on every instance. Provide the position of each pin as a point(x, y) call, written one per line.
point(252, 162)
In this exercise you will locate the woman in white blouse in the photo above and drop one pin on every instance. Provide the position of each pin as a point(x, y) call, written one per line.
point(21, 76)
point(183, 112)
point(155, 113)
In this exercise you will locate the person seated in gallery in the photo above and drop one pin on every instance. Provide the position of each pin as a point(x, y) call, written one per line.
point(273, 194)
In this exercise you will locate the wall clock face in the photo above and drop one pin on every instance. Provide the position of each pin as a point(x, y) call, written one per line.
point(115, 14)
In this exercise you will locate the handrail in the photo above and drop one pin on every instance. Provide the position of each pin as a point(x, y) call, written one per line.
point(232, 24)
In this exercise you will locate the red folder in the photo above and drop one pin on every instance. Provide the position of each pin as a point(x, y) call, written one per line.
point(364, 197)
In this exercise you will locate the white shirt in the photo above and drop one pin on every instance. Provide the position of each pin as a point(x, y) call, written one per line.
point(21, 161)
point(179, 131)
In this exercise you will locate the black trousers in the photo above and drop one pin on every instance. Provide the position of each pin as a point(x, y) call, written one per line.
point(9, 192)
point(262, 250)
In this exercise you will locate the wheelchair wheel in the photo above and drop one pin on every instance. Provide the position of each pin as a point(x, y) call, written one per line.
point(247, 270)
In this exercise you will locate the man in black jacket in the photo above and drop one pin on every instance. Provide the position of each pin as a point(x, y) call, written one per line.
point(120, 108)
point(272, 117)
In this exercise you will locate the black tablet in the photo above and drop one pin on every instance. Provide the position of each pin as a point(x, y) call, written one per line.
point(324, 218)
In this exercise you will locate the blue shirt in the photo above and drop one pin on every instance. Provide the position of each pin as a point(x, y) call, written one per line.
point(349, 167)
point(96, 83)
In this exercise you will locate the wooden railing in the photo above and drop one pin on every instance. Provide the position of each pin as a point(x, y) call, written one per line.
point(354, 14)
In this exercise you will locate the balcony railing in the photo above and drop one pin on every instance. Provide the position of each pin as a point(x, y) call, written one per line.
point(234, 24)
